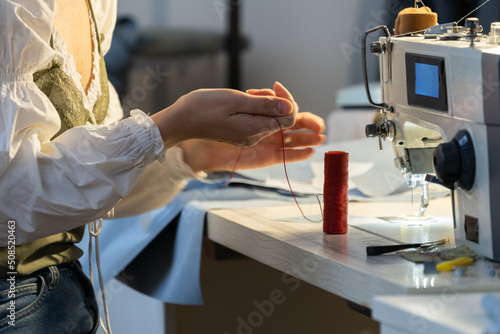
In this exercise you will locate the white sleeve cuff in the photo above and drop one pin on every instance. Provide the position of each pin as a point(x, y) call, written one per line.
point(152, 136)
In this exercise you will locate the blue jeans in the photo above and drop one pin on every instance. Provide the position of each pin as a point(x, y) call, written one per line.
point(57, 299)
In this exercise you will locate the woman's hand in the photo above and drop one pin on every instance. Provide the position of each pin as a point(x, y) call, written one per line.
point(211, 126)
point(226, 115)
point(207, 155)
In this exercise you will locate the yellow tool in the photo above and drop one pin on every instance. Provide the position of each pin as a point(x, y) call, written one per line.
point(449, 265)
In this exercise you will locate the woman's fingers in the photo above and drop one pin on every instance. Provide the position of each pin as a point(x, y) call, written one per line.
point(261, 92)
point(298, 140)
point(281, 91)
point(309, 121)
point(296, 155)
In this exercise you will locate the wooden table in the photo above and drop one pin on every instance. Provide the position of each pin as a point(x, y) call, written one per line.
point(338, 263)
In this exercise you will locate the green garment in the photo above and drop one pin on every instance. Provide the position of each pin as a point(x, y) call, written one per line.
point(68, 101)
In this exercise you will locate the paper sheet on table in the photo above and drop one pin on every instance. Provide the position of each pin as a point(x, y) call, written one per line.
point(396, 229)
point(371, 171)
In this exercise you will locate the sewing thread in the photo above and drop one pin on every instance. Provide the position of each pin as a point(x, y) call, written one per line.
point(335, 188)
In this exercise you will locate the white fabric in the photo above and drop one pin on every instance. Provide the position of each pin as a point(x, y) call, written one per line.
point(52, 186)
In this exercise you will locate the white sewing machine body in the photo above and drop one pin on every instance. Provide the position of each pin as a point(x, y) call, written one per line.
point(441, 110)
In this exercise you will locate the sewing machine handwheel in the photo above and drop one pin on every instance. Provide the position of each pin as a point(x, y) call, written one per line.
point(447, 162)
point(455, 161)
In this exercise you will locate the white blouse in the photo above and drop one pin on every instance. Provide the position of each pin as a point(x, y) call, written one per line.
point(47, 186)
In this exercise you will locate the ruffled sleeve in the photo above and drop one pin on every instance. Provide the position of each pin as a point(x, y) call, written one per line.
point(53, 186)
point(26, 30)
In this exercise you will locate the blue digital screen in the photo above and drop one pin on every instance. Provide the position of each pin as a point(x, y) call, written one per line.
point(427, 80)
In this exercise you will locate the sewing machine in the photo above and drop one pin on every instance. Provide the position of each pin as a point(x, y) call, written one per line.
point(441, 110)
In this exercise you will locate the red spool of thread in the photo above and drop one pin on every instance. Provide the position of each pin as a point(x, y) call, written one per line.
point(335, 192)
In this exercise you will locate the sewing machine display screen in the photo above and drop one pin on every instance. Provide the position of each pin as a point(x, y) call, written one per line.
point(426, 81)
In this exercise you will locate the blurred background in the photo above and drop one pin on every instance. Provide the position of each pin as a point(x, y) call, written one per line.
point(312, 47)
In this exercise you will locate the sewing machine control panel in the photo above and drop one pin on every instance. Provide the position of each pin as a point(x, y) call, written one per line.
point(426, 82)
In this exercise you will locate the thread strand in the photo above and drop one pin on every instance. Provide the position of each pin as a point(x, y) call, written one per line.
point(234, 167)
point(286, 176)
point(288, 180)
